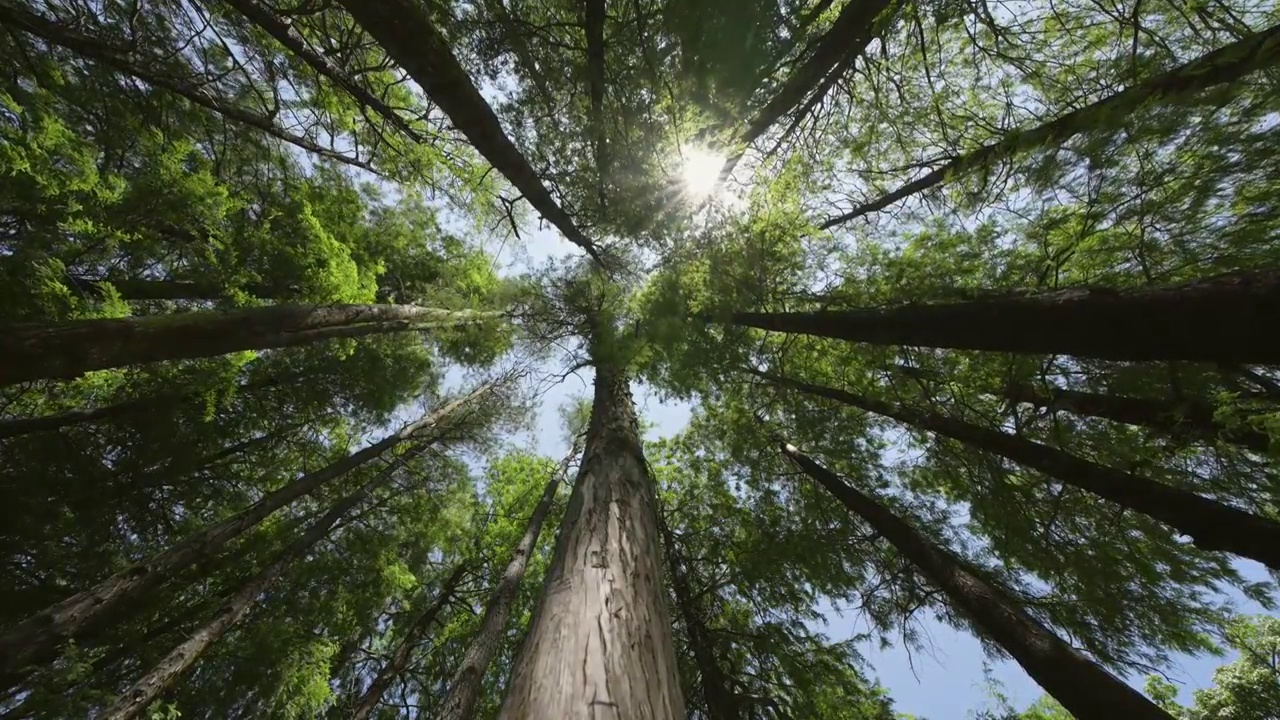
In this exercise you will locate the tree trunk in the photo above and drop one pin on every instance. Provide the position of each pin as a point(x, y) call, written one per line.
point(1188, 418)
point(464, 689)
point(600, 643)
point(399, 661)
point(1227, 64)
point(69, 349)
point(593, 22)
point(134, 701)
point(36, 640)
point(721, 702)
point(153, 404)
point(1214, 320)
point(406, 32)
point(848, 38)
point(1085, 689)
point(1210, 524)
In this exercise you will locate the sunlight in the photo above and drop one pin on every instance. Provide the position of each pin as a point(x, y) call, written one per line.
point(700, 171)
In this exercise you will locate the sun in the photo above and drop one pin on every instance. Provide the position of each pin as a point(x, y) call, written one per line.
point(700, 171)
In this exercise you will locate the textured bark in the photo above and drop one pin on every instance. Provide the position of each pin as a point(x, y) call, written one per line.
point(600, 644)
point(134, 701)
point(36, 640)
point(1193, 418)
point(1215, 319)
point(68, 349)
point(295, 43)
point(1210, 524)
point(848, 38)
point(404, 30)
point(413, 636)
point(118, 59)
point(1085, 689)
point(154, 404)
point(464, 689)
point(1227, 64)
point(721, 702)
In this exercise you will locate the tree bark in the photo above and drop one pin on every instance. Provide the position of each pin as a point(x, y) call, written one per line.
point(1227, 64)
point(36, 640)
point(721, 702)
point(405, 31)
point(1214, 320)
point(134, 701)
point(118, 58)
point(464, 688)
point(600, 643)
point(1210, 524)
point(1085, 689)
point(69, 349)
point(413, 636)
point(1192, 418)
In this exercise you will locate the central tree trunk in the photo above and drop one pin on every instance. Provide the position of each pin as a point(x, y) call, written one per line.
point(600, 644)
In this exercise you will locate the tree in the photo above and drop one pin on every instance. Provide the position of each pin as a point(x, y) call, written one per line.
point(464, 688)
point(243, 243)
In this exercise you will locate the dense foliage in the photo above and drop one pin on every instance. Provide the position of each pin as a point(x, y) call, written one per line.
point(972, 302)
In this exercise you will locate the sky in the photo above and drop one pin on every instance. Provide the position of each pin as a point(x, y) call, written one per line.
point(952, 677)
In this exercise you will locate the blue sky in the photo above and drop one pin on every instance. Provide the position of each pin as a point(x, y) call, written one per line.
point(952, 676)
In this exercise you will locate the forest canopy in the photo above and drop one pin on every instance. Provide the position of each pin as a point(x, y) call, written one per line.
point(972, 303)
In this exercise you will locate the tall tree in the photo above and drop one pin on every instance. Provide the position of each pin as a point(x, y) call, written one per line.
point(36, 639)
point(66, 350)
point(601, 633)
point(464, 689)
point(1207, 320)
point(1085, 689)
point(414, 634)
point(1211, 525)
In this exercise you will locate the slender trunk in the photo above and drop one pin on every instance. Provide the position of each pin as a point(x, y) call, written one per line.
point(36, 640)
point(1085, 689)
point(413, 636)
point(1215, 319)
point(134, 701)
point(1225, 65)
point(594, 21)
point(122, 59)
point(721, 703)
point(601, 638)
point(1210, 524)
point(464, 689)
point(848, 37)
point(283, 32)
point(151, 404)
point(406, 32)
point(1187, 418)
point(69, 349)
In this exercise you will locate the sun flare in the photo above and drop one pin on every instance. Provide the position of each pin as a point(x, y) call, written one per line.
point(700, 171)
